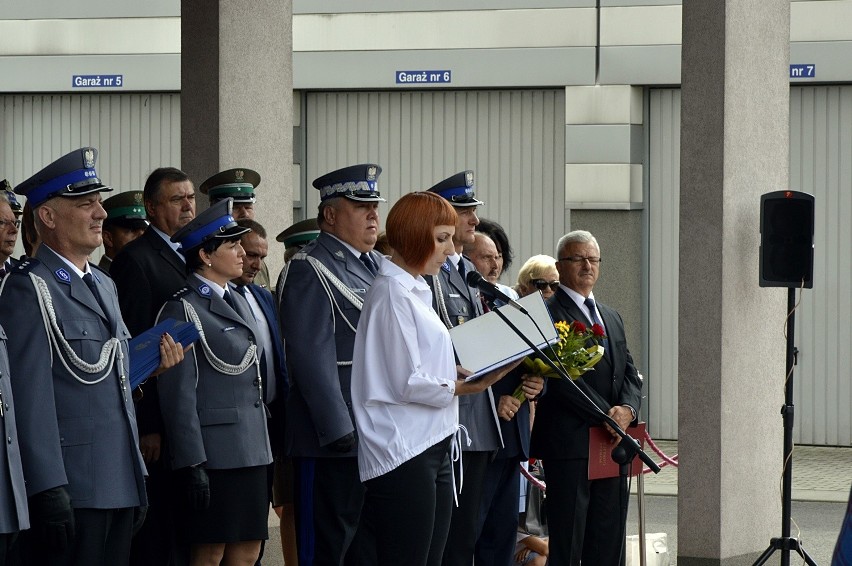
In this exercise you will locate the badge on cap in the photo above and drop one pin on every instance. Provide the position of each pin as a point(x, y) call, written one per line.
point(371, 173)
point(238, 175)
point(204, 289)
point(63, 275)
point(89, 158)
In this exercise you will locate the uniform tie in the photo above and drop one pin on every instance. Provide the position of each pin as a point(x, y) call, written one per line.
point(368, 263)
point(460, 267)
point(230, 300)
point(590, 303)
point(89, 279)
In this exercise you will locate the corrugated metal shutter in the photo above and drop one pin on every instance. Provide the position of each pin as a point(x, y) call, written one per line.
point(514, 140)
point(663, 221)
point(134, 134)
point(820, 164)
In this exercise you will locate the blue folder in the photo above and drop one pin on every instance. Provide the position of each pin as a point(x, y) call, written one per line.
point(145, 348)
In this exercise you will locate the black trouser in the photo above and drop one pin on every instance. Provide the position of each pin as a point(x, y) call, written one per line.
point(584, 518)
point(498, 515)
point(101, 538)
point(409, 509)
point(465, 519)
point(6, 542)
point(329, 498)
point(159, 542)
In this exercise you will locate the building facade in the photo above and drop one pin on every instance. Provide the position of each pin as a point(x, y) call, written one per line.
point(567, 110)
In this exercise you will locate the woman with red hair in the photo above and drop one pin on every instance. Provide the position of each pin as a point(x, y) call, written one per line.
point(404, 388)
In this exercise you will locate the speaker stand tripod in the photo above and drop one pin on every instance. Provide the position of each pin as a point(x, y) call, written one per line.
point(786, 543)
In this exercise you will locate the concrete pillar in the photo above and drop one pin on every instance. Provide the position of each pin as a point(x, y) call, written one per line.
point(604, 151)
point(734, 147)
point(237, 101)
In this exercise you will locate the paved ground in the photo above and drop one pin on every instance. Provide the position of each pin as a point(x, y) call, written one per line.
point(821, 482)
point(820, 473)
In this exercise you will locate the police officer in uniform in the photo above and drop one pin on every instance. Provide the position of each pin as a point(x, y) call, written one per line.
point(320, 306)
point(456, 303)
point(124, 223)
point(10, 212)
point(238, 185)
point(75, 418)
point(13, 495)
point(296, 236)
point(213, 403)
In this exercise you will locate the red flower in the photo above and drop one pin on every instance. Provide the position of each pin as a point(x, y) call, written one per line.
point(598, 331)
point(578, 327)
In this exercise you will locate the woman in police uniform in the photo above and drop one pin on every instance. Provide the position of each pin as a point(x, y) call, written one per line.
point(212, 403)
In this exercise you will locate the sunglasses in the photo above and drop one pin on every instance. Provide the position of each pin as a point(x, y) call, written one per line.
point(541, 284)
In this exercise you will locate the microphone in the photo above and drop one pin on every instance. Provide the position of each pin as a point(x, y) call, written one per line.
point(474, 279)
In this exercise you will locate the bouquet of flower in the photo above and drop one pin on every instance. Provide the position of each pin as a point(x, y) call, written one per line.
point(570, 352)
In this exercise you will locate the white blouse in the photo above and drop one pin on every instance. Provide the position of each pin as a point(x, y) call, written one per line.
point(403, 373)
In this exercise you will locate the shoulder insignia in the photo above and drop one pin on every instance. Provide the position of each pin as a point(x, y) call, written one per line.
point(204, 290)
point(180, 293)
point(301, 255)
point(339, 254)
point(63, 275)
point(25, 266)
point(446, 266)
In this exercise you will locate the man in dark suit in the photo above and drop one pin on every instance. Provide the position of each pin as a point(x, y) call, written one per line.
point(320, 306)
point(265, 314)
point(69, 361)
point(147, 272)
point(585, 518)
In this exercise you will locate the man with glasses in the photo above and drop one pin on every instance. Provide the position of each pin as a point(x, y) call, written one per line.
point(9, 226)
point(585, 518)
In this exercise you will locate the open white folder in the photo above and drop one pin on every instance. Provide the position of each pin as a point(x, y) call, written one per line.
point(487, 342)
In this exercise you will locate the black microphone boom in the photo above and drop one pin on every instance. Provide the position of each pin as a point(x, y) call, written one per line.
point(476, 280)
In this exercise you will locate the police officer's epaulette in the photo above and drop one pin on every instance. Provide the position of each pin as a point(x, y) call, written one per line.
point(300, 255)
point(25, 266)
point(181, 292)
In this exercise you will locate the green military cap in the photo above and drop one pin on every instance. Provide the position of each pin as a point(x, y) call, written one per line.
point(6, 188)
point(299, 233)
point(238, 184)
point(126, 209)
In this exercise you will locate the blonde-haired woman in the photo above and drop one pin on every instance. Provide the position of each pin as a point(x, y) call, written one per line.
point(538, 274)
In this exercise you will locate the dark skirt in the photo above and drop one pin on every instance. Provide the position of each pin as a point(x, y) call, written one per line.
point(239, 508)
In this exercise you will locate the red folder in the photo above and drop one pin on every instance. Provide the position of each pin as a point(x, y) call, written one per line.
point(601, 443)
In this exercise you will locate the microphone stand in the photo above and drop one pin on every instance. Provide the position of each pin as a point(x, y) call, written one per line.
point(628, 443)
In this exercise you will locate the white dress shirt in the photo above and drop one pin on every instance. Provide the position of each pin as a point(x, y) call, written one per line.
point(403, 373)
